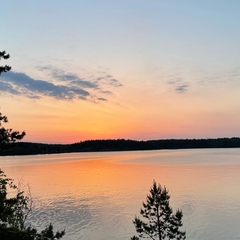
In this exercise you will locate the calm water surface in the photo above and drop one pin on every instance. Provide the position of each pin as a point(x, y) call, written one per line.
point(96, 195)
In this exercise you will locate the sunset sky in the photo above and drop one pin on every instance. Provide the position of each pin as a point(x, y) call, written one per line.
point(133, 69)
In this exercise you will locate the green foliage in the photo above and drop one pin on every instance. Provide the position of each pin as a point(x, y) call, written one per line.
point(161, 223)
point(6, 68)
point(13, 214)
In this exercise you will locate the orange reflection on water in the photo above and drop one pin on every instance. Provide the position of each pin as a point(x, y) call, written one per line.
point(109, 176)
point(109, 188)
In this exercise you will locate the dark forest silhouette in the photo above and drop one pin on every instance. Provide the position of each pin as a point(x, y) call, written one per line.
point(28, 148)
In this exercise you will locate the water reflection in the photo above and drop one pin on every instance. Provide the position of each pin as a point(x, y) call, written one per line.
point(97, 195)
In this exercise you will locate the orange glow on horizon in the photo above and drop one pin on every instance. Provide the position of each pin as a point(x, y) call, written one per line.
point(53, 121)
point(105, 174)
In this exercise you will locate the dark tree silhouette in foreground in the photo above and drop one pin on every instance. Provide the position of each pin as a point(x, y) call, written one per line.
point(161, 223)
point(6, 68)
point(14, 211)
point(14, 205)
point(8, 136)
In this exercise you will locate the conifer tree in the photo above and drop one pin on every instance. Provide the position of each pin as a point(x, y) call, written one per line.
point(14, 209)
point(161, 223)
point(7, 136)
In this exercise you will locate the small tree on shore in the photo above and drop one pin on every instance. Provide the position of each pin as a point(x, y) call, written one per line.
point(161, 223)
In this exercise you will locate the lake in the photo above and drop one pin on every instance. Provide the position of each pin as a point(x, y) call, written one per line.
point(97, 195)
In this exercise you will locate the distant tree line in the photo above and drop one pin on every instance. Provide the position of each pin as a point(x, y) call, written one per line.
point(28, 148)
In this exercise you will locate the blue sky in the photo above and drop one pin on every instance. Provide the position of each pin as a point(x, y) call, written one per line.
point(138, 69)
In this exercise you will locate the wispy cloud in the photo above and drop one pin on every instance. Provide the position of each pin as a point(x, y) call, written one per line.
point(102, 99)
point(63, 86)
point(199, 78)
point(179, 85)
point(107, 79)
point(70, 78)
point(182, 88)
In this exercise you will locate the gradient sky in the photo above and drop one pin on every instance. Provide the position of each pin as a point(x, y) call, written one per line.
point(133, 69)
